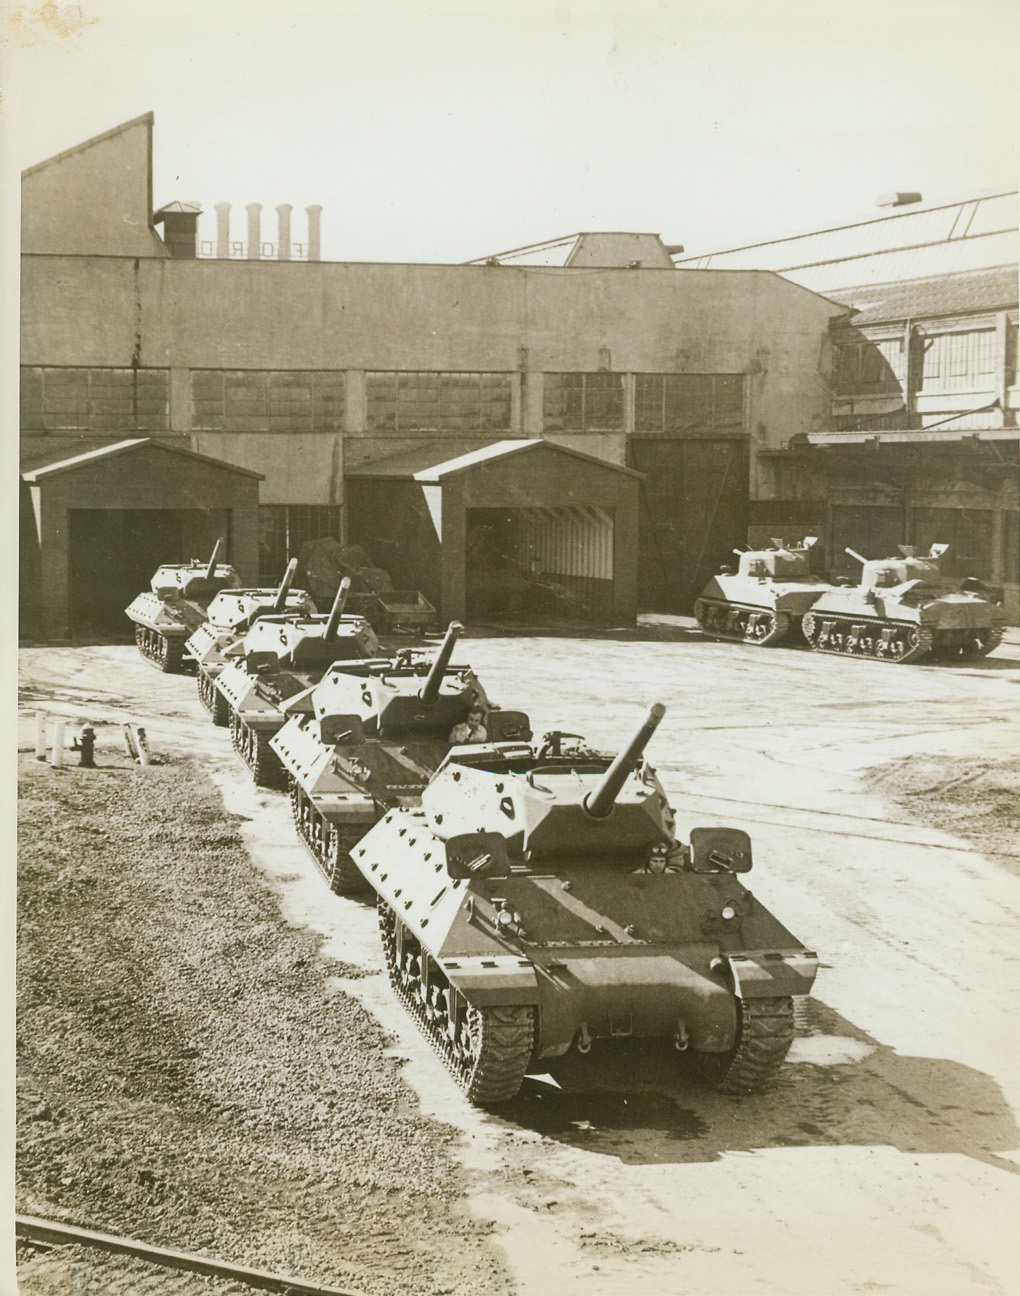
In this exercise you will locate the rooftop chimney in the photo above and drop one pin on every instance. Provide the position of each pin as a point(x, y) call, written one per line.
point(897, 199)
point(283, 212)
point(254, 211)
point(314, 214)
point(223, 229)
point(180, 228)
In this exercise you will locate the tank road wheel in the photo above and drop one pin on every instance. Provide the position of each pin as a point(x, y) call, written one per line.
point(764, 1036)
point(343, 875)
point(254, 750)
point(169, 655)
point(486, 1049)
point(213, 700)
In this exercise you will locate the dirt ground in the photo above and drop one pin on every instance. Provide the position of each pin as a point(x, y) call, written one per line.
point(313, 1131)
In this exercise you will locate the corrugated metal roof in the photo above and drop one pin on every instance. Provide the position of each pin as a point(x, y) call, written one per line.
point(977, 290)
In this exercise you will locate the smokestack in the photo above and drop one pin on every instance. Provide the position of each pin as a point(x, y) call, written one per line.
point(314, 216)
point(223, 229)
point(283, 212)
point(254, 230)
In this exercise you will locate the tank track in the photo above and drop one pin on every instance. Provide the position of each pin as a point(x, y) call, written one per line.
point(741, 623)
point(487, 1050)
point(764, 1036)
point(162, 651)
point(850, 636)
point(213, 700)
point(329, 844)
point(978, 643)
point(254, 749)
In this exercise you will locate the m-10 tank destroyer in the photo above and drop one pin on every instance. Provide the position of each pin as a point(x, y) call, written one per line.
point(902, 612)
point(376, 733)
point(231, 614)
point(176, 605)
point(765, 599)
point(538, 900)
point(279, 657)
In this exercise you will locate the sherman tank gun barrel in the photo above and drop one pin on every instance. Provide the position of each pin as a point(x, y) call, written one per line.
point(210, 570)
point(599, 802)
point(280, 602)
point(337, 610)
point(430, 689)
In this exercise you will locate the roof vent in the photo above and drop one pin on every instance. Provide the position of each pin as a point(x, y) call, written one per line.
point(897, 199)
point(674, 249)
point(180, 227)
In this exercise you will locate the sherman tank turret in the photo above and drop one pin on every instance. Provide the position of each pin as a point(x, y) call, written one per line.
point(540, 900)
point(281, 656)
point(176, 605)
point(231, 614)
point(902, 611)
point(375, 734)
point(764, 600)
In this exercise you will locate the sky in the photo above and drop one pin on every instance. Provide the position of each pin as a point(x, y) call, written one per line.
point(444, 132)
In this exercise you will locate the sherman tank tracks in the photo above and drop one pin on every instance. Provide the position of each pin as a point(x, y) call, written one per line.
point(741, 623)
point(213, 700)
point(163, 651)
point(486, 1050)
point(329, 844)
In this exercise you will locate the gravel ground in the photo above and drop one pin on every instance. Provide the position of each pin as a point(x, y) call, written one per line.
point(181, 1048)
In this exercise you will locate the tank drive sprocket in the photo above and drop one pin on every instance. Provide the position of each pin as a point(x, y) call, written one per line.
point(253, 748)
point(486, 1049)
point(849, 636)
point(329, 845)
point(161, 650)
point(213, 701)
point(741, 623)
point(764, 1035)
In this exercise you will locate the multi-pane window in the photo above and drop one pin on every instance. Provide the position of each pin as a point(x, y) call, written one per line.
point(94, 400)
point(437, 402)
point(679, 404)
point(959, 361)
point(583, 402)
point(284, 528)
point(864, 367)
point(267, 400)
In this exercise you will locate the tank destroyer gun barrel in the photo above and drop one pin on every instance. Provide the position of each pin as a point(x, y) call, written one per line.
point(280, 602)
point(337, 610)
point(854, 554)
point(430, 689)
point(210, 570)
point(599, 802)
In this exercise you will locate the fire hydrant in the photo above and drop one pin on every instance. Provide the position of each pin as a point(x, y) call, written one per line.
point(87, 747)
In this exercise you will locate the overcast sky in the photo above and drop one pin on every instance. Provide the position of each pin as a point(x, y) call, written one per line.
point(442, 132)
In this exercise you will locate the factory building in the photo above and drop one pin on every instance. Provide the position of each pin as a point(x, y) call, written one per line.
point(921, 444)
point(254, 353)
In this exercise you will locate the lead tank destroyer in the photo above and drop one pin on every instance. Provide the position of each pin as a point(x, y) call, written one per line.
point(538, 900)
point(901, 611)
point(176, 605)
point(231, 614)
point(279, 657)
point(764, 600)
point(376, 733)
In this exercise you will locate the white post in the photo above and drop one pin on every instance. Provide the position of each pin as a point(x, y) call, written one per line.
point(57, 754)
point(40, 735)
point(142, 744)
point(129, 742)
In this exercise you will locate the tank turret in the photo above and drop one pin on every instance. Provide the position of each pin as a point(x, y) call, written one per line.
point(902, 610)
point(541, 899)
point(176, 605)
point(368, 737)
point(280, 656)
point(231, 613)
point(764, 600)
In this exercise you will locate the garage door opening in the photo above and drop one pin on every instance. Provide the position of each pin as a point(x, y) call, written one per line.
point(113, 553)
point(552, 564)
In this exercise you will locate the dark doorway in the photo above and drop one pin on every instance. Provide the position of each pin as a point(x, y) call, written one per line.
point(693, 514)
point(872, 530)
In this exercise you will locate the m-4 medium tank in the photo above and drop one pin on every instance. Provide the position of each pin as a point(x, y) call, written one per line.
point(277, 658)
point(764, 600)
point(176, 606)
point(376, 733)
point(901, 611)
point(538, 900)
point(231, 614)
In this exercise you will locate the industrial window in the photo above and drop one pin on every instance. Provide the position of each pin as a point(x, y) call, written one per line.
point(678, 404)
point(863, 367)
point(967, 532)
point(438, 402)
point(94, 400)
point(267, 400)
point(583, 402)
point(284, 528)
point(959, 361)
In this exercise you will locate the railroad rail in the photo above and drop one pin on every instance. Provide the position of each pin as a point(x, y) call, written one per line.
point(33, 1229)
